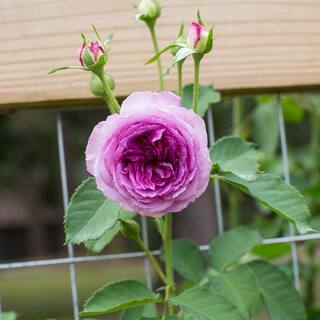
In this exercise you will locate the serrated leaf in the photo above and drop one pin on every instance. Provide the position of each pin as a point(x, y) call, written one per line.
point(117, 296)
point(265, 126)
point(207, 97)
point(277, 195)
point(233, 154)
point(239, 286)
point(282, 300)
point(96, 246)
point(203, 304)
point(229, 247)
point(9, 315)
point(148, 311)
point(190, 269)
point(90, 214)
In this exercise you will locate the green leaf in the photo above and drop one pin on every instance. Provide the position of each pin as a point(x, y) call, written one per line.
point(117, 296)
point(190, 269)
point(148, 311)
point(159, 53)
point(90, 214)
point(203, 304)
point(9, 315)
point(272, 251)
point(265, 126)
point(292, 111)
point(66, 68)
point(238, 286)
point(96, 246)
point(180, 55)
point(277, 195)
point(207, 97)
point(229, 247)
point(233, 154)
point(281, 298)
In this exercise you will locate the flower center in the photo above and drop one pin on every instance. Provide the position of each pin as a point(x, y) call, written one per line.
point(150, 159)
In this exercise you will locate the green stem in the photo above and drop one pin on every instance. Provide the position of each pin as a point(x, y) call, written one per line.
point(153, 261)
point(312, 273)
point(216, 176)
point(180, 82)
point(109, 97)
point(197, 59)
point(168, 258)
point(236, 116)
point(151, 27)
point(234, 215)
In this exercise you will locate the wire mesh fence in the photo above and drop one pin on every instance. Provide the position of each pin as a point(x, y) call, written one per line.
point(72, 260)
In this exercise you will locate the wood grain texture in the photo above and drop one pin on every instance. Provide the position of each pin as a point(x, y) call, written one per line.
point(260, 45)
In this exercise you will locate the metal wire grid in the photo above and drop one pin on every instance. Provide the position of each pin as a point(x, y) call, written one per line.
point(72, 260)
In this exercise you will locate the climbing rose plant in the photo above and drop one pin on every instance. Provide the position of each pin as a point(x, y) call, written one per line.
point(150, 157)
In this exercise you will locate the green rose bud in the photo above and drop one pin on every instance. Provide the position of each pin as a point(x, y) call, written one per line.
point(97, 87)
point(130, 229)
point(149, 10)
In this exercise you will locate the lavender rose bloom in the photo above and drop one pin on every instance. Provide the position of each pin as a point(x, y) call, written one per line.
point(152, 158)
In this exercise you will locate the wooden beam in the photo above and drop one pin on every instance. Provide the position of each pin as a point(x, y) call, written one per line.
point(260, 45)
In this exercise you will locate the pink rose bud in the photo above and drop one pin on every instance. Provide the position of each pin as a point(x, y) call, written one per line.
point(197, 37)
point(89, 57)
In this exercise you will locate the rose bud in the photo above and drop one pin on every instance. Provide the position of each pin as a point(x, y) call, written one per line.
point(130, 229)
point(152, 157)
point(90, 55)
point(97, 87)
point(199, 38)
point(149, 10)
